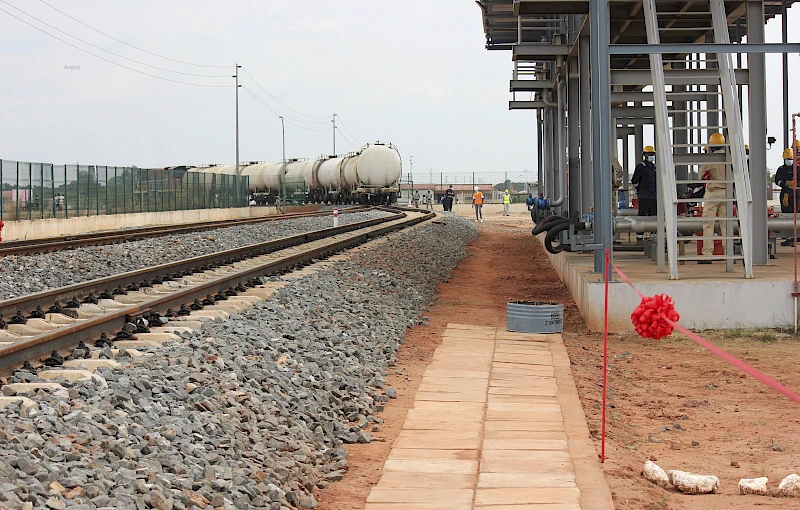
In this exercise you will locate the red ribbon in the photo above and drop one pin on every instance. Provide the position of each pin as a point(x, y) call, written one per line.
point(656, 316)
point(649, 317)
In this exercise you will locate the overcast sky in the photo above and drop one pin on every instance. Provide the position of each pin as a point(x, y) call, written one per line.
point(414, 73)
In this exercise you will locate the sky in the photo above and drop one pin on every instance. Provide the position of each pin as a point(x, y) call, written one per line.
point(414, 73)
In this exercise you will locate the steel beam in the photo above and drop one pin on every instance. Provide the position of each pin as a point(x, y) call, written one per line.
point(649, 49)
point(538, 51)
point(573, 139)
point(673, 77)
point(757, 105)
point(601, 126)
point(525, 105)
point(529, 85)
point(586, 126)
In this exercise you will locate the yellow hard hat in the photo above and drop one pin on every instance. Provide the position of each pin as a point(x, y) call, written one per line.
point(787, 153)
point(716, 139)
point(506, 191)
point(649, 149)
point(796, 144)
point(746, 147)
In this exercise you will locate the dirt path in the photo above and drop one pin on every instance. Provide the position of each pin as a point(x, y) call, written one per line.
point(734, 421)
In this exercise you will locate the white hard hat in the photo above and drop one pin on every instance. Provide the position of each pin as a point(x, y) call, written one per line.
point(476, 188)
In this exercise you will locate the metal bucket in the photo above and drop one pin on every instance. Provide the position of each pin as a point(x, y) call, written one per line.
point(534, 317)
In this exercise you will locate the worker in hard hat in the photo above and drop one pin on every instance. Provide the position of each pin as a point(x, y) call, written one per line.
point(506, 203)
point(784, 178)
point(477, 202)
point(714, 200)
point(645, 180)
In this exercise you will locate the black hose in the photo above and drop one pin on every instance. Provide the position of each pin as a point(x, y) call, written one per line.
point(553, 234)
point(548, 223)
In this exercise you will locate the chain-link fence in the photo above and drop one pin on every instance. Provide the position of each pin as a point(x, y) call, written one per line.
point(491, 184)
point(41, 190)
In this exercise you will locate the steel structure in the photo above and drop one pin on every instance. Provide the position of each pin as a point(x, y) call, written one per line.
point(674, 65)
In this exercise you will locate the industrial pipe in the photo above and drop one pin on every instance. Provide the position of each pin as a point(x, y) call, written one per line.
point(548, 223)
point(649, 224)
point(561, 164)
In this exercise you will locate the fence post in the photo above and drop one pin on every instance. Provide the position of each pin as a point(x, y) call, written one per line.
point(1, 190)
point(133, 190)
point(88, 190)
point(66, 202)
point(124, 191)
point(30, 191)
point(105, 178)
point(16, 215)
point(116, 197)
point(52, 187)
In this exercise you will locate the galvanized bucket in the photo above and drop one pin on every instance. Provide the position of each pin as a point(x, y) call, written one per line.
point(534, 317)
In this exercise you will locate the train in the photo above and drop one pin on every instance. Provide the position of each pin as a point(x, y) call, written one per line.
point(370, 176)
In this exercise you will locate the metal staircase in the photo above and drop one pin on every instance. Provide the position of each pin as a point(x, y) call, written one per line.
point(737, 174)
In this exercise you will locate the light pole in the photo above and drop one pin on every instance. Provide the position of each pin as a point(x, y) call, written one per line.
point(334, 134)
point(283, 140)
point(238, 170)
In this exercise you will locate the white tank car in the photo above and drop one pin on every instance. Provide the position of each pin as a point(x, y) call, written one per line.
point(350, 171)
point(310, 173)
point(295, 171)
point(329, 174)
point(379, 165)
point(272, 176)
point(222, 170)
point(254, 173)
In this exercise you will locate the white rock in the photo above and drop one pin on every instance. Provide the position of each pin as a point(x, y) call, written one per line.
point(691, 483)
point(756, 486)
point(653, 473)
point(790, 486)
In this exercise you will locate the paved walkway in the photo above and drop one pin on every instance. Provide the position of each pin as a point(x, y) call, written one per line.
point(497, 425)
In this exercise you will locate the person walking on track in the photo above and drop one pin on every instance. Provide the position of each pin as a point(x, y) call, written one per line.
point(477, 202)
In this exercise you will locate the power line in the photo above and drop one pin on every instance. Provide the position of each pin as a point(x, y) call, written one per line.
point(127, 44)
point(276, 113)
point(345, 128)
point(111, 61)
point(111, 52)
point(287, 107)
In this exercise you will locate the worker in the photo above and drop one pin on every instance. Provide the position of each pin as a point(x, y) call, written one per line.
point(784, 178)
point(530, 201)
point(415, 199)
point(506, 203)
point(477, 202)
point(714, 200)
point(449, 196)
point(616, 182)
point(430, 200)
point(645, 180)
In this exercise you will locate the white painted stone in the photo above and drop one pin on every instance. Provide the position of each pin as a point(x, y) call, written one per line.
point(69, 375)
point(756, 486)
point(653, 473)
point(691, 483)
point(790, 486)
point(92, 364)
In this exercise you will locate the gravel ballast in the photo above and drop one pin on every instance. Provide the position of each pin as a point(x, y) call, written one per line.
point(26, 274)
point(252, 412)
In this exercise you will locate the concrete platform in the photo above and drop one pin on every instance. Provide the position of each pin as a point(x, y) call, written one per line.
point(470, 444)
point(706, 296)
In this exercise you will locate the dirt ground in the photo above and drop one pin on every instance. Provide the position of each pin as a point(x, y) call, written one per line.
point(727, 424)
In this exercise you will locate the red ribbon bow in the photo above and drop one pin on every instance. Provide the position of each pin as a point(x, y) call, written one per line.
point(648, 317)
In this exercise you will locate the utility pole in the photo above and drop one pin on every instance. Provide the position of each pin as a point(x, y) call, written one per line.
point(283, 140)
point(411, 174)
point(334, 134)
point(238, 170)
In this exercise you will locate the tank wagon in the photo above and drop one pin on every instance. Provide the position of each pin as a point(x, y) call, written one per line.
point(369, 176)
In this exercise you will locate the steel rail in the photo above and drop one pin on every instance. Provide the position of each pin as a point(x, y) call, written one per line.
point(48, 244)
point(34, 347)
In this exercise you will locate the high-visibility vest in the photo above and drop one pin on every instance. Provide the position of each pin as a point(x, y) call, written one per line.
point(506, 198)
point(478, 198)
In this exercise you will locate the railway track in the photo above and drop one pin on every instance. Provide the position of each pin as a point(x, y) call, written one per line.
point(109, 309)
point(33, 246)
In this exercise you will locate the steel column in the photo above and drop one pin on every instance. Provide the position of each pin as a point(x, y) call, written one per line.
point(540, 150)
point(586, 126)
point(601, 122)
point(573, 140)
point(680, 134)
point(757, 108)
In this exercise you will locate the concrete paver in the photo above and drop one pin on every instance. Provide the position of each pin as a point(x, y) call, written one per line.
point(496, 425)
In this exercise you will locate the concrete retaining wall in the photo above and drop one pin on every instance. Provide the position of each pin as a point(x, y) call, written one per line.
point(35, 229)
